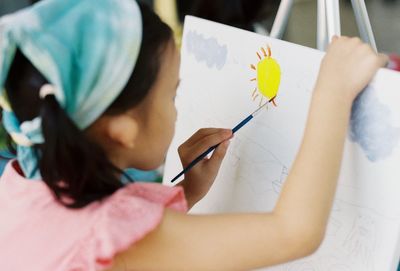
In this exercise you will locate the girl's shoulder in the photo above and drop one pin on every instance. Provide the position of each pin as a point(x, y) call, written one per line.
point(87, 238)
point(125, 218)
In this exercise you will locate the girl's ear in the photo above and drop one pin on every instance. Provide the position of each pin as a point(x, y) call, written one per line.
point(123, 130)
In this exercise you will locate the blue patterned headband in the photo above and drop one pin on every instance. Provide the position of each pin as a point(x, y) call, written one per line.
point(86, 50)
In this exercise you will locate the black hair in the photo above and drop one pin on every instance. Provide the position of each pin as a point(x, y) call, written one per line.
point(75, 168)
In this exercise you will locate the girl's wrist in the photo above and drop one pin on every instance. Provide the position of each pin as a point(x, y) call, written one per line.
point(329, 109)
point(332, 94)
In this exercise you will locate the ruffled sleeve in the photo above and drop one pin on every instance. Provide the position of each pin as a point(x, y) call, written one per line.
point(122, 220)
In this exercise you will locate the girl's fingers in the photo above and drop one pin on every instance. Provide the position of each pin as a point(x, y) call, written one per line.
point(383, 60)
point(216, 159)
point(207, 142)
point(200, 134)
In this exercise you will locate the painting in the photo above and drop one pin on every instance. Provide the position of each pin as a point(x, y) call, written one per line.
point(225, 75)
point(268, 76)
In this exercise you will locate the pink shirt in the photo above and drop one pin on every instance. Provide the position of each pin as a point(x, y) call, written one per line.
point(39, 234)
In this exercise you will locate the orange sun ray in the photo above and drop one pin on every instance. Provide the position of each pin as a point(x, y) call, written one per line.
point(263, 51)
point(254, 92)
point(266, 86)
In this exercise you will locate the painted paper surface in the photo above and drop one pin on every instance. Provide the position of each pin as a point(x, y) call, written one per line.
point(216, 91)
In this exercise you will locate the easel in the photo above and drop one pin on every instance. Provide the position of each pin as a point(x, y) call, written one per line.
point(328, 23)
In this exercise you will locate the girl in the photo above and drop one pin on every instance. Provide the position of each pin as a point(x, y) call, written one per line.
point(89, 91)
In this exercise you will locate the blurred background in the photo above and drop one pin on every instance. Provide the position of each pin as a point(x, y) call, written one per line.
point(384, 16)
point(302, 27)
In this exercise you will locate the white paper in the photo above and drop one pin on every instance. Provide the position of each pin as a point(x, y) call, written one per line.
point(216, 91)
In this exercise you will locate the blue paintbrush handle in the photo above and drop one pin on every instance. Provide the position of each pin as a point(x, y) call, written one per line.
point(241, 124)
point(194, 162)
point(207, 152)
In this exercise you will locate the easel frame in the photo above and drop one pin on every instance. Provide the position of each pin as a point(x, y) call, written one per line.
point(328, 21)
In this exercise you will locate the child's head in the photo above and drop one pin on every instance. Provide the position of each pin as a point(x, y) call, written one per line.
point(137, 128)
point(134, 131)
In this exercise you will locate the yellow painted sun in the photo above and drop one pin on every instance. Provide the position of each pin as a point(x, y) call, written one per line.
point(268, 77)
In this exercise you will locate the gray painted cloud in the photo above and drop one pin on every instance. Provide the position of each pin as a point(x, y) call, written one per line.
point(370, 127)
point(206, 49)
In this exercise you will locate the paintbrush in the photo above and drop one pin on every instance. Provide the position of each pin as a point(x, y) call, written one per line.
point(207, 152)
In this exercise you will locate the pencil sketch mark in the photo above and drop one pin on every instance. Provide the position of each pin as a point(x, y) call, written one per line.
point(262, 150)
point(234, 151)
point(248, 160)
point(334, 263)
point(278, 184)
point(370, 126)
point(333, 227)
point(302, 266)
point(337, 206)
point(366, 209)
point(206, 49)
point(339, 267)
point(360, 242)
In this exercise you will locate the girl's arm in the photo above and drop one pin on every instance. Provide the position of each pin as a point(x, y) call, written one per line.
point(244, 242)
point(296, 227)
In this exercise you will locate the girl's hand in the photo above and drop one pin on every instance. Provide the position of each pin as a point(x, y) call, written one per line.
point(348, 66)
point(199, 179)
